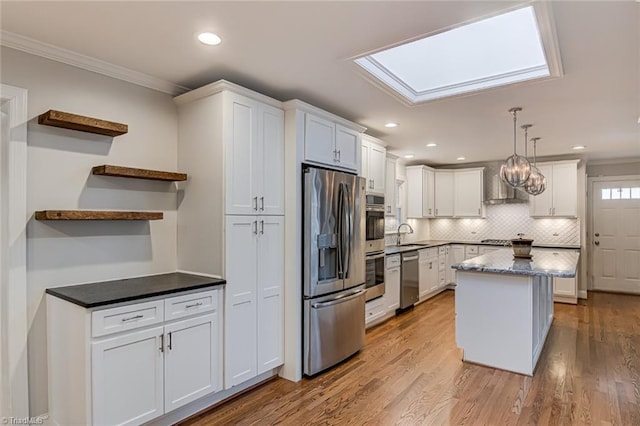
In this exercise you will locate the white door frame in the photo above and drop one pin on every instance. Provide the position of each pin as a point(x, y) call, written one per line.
point(590, 209)
point(14, 394)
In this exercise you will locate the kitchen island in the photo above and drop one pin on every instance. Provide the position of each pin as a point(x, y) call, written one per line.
point(504, 306)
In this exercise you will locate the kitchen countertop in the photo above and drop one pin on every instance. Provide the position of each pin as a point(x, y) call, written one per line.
point(108, 292)
point(549, 262)
point(422, 244)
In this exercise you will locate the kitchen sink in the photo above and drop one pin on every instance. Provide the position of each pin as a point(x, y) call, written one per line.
point(411, 245)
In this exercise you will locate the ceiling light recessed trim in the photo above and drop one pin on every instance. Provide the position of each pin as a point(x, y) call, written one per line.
point(544, 65)
point(461, 158)
point(431, 145)
point(407, 156)
point(210, 39)
point(578, 147)
point(391, 125)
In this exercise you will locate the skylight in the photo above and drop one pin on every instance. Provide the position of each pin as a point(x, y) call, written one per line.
point(493, 52)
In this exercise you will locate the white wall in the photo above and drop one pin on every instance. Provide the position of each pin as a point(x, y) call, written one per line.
point(59, 165)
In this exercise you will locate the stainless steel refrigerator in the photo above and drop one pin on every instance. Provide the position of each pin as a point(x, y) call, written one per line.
point(333, 267)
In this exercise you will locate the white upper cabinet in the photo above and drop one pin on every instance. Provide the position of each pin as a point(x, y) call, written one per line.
point(320, 140)
point(444, 193)
point(468, 184)
point(254, 156)
point(330, 143)
point(374, 156)
point(561, 196)
point(420, 192)
point(390, 187)
point(347, 147)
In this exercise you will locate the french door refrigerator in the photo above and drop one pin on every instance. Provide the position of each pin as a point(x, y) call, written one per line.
point(334, 270)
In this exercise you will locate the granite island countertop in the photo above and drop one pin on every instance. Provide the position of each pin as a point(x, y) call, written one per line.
point(549, 262)
point(108, 292)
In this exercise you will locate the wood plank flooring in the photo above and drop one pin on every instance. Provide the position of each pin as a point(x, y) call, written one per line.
point(411, 373)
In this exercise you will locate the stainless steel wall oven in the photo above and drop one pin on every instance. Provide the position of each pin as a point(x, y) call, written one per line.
point(374, 223)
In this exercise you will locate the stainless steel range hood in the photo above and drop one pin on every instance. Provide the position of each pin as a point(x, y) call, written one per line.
point(498, 192)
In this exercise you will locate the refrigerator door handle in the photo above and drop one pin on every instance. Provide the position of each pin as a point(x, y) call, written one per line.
point(339, 229)
point(348, 233)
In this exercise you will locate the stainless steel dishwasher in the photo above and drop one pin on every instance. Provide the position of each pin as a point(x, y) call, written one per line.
point(409, 279)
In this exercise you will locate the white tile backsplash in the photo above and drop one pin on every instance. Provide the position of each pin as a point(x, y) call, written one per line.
point(506, 222)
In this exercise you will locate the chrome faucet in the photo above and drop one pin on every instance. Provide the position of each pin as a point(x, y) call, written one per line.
point(410, 231)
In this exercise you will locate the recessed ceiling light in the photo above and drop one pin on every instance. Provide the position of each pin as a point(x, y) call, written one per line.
point(460, 158)
point(391, 124)
point(578, 147)
point(409, 156)
point(210, 39)
point(431, 145)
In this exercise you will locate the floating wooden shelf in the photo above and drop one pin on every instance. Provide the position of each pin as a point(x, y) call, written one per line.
point(108, 170)
point(67, 120)
point(96, 215)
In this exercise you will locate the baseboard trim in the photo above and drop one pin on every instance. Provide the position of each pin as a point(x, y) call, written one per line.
point(582, 294)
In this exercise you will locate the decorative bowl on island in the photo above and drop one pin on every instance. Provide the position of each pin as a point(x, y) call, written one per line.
point(521, 247)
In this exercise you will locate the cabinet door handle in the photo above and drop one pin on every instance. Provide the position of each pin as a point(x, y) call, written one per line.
point(339, 158)
point(261, 204)
point(388, 209)
point(262, 227)
point(193, 305)
point(255, 227)
point(554, 211)
point(436, 212)
point(478, 212)
point(170, 340)
point(161, 343)
point(255, 203)
point(132, 318)
point(429, 211)
point(549, 211)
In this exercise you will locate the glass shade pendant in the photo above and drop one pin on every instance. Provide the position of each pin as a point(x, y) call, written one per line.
point(516, 169)
point(537, 183)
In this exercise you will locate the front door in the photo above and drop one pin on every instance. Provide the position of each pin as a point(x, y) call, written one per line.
point(615, 240)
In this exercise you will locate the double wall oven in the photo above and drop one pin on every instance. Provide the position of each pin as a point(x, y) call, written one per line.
point(374, 245)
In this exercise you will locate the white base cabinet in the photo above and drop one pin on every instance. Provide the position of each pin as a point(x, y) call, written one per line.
point(565, 290)
point(384, 307)
point(129, 364)
point(428, 273)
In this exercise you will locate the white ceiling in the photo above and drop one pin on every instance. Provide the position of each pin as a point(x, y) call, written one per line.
point(301, 50)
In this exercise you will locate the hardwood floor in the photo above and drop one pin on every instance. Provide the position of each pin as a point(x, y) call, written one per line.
point(411, 373)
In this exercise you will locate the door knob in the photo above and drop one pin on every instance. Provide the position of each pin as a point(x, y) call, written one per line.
point(596, 243)
point(597, 234)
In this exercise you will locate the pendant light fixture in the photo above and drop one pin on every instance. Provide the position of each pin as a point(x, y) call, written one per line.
point(516, 169)
point(537, 183)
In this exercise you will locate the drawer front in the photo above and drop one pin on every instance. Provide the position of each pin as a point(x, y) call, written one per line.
point(471, 249)
point(393, 261)
point(428, 253)
point(128, 317)
point(190, 304)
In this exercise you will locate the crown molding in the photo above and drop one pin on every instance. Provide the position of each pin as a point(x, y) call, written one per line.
point(69, 57)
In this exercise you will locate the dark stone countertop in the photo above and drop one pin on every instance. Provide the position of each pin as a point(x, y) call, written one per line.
point(423, 244)
point(108, 292)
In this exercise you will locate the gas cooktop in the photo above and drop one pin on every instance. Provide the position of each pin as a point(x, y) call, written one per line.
point(497, 242)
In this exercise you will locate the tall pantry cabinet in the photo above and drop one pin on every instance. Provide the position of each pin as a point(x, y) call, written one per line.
point(231, 217)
